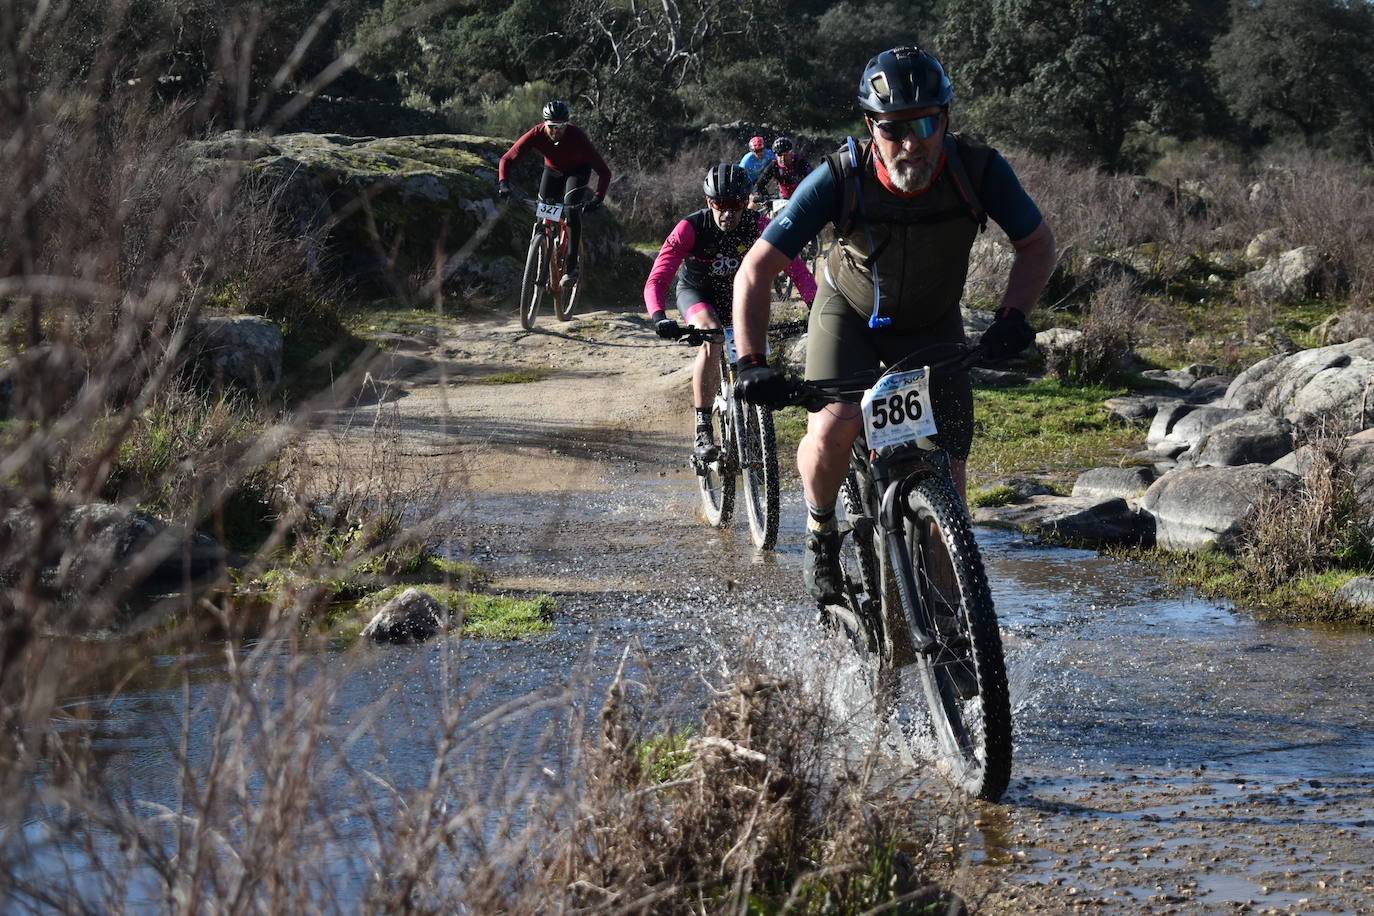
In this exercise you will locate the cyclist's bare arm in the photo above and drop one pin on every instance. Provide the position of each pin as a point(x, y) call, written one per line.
point(1031, 268)
point(754, 294)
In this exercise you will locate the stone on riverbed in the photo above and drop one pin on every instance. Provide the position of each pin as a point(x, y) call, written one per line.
point(1112, 483)
point(1073, 520)
point(412, 616)
point(1205, 508)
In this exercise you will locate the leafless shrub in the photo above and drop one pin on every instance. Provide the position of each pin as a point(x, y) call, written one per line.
point(650, 201)
point(1315, 527)
point(1115, 311)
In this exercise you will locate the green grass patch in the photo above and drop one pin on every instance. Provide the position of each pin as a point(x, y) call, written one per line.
point(1302, 599)
point(789, 425)
point(1045, 429)
point(992, 497)
point(663, 755)
point(512, 377)
point(484, 615)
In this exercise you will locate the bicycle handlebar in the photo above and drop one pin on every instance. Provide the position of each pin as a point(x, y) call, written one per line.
point(813, 395)
point(693, 336)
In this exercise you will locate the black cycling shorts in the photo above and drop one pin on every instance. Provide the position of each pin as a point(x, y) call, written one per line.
point(839, 343)
point(688, 296)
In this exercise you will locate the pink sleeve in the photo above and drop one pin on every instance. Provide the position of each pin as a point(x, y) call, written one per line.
point(806, 284)
point(670, 256)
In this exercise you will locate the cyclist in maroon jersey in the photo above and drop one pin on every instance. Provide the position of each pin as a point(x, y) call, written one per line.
point(569, 160)
point(787, 170)
point(707, 245)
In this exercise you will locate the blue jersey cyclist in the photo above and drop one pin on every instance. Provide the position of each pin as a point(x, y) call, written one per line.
point(907, 204)
point(754, 161)
point(704, 251)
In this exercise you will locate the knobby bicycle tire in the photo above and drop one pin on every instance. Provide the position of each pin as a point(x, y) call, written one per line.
point(862, 617)
point(566, 298)
point(532, 284)
point(717, 483)
point(758, 458)
point(964, 681)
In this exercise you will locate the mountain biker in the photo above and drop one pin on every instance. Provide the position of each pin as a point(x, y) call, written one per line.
point(569, 160)
point(787, 169)
point(907, 204)
point(758, 156)
point(707, 245)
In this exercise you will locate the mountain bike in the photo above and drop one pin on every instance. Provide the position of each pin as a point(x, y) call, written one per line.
point(747, 445)
point(916, 595)
point(547, 256)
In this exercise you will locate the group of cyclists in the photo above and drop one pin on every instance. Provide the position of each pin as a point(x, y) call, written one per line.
point(906, 202)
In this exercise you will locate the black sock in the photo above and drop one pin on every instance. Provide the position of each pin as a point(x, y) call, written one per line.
point(703, 418)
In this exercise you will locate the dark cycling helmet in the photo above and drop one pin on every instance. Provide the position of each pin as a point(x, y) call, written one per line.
point(556, 111)
point(903, 78)
point(756, 143)
point(727, 181)
point(782, 145)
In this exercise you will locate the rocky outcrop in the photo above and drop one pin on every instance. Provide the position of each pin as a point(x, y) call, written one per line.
point(1287, 276)
point(1114, 483)
point(412, 616)
point(392, 210)
point(242, 351)
point(1206, 508)
point(1311, 386)
point(1252, 438)
point(102, 564)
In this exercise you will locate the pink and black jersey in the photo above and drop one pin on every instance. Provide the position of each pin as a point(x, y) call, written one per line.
point(706, 259)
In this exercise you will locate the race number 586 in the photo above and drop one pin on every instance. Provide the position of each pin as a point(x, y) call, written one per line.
point(897, 409)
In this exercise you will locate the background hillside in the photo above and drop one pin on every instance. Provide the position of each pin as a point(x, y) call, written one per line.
point(1115, 84)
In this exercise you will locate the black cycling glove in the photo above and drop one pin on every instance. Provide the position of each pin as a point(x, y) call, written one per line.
point(1008, 335)
point(760, 383)
point(503, 189)
point(664, 326)
point(592, 206)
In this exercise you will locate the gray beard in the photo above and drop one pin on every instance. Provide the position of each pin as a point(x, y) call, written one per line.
point(909, 176)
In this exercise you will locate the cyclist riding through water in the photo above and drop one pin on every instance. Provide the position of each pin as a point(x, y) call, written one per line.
point(707, 245)
point(787, 169)
point(754, 161)
point(907, 204)
point(569, 160)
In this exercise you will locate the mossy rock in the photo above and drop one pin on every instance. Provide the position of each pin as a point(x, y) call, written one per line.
point(394, 207)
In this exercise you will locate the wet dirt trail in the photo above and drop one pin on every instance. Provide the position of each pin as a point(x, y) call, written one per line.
point(1173, 755)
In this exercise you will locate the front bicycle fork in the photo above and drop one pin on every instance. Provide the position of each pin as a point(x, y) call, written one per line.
point(892, 518)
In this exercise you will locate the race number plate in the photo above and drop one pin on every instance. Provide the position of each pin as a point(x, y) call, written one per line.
point(552, 212)
point(897, 409)
point(730, 356)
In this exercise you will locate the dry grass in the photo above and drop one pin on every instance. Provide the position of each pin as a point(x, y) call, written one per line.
point(1318, 526)
point(276, 795)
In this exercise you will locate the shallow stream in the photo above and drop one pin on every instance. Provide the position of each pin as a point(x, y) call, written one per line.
point(1152, 729)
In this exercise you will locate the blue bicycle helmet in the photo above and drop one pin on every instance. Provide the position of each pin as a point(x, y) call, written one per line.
point(556, 111)
point(903, 78)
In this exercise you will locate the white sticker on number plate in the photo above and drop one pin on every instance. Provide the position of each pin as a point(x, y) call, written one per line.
point(549, 211)
point(897, 409)
point(730, 346)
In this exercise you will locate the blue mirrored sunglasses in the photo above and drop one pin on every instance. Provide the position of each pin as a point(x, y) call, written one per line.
point(896, 131)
